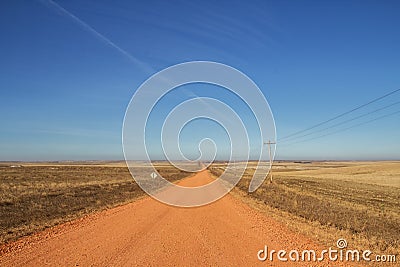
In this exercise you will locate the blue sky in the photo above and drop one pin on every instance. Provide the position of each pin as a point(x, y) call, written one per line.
point(64, 88)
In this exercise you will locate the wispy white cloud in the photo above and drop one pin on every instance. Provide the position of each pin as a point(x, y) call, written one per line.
point(53, 5)
point(78, 132)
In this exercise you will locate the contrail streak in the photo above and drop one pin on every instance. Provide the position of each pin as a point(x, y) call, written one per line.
point(87, 27)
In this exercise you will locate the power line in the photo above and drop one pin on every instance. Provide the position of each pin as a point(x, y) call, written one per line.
point(344, 129)
point(340, 115)
point(269, 143)
point(341, 123)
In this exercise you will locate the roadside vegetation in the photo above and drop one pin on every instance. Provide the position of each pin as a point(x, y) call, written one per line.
point(358, 201)
point(330, 200)
point(35, 197)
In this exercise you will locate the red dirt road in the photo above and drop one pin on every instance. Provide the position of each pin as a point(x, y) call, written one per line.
point(149, 233)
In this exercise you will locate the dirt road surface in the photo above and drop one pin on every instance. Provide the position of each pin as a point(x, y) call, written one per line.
point(149, 233)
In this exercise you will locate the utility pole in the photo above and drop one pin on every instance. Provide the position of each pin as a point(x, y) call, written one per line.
point(269, 143)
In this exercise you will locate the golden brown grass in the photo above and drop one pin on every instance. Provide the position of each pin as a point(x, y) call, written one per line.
point(37, 196)
point(359, 201)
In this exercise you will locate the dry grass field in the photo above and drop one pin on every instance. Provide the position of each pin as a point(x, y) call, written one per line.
point(34, 196)
point(359, 201)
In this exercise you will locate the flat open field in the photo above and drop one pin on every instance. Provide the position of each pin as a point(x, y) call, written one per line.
point(359, 201)
point(148, 233)
point(309, 205)
point(35, 196)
